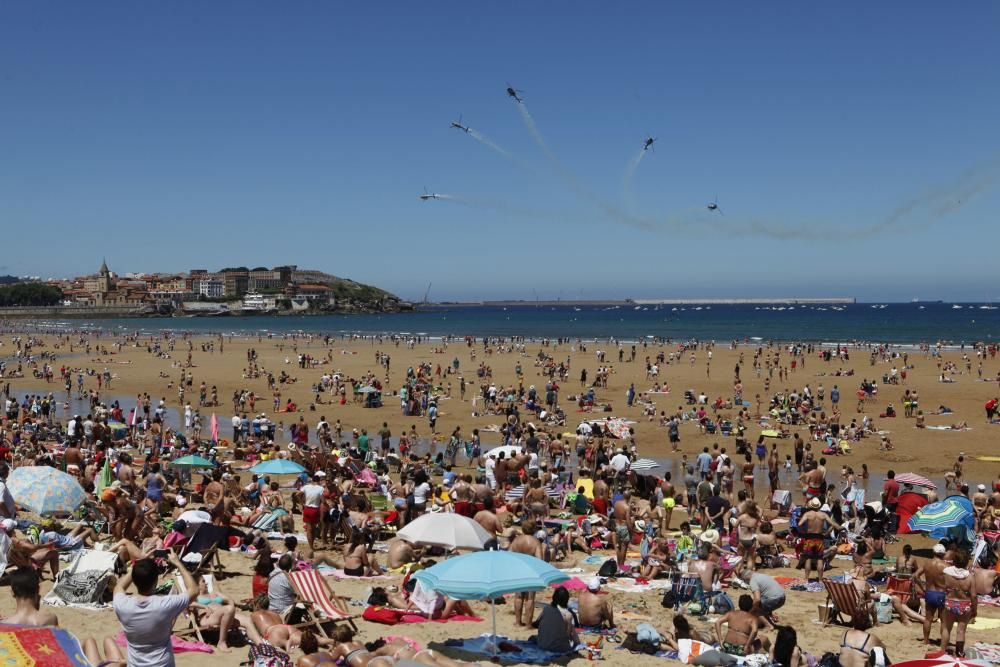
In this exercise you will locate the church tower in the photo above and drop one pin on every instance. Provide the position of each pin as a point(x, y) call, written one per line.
point(104, 278)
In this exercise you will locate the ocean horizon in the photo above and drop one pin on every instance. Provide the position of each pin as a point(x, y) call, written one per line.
point(899, 323)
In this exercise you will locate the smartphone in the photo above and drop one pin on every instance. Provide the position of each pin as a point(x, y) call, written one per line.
point(161, 553)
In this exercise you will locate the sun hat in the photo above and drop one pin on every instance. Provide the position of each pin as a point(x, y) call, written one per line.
point(640, 526)
point(711, 536)
point(594, 584)
point(939, 549)
point(815, 504)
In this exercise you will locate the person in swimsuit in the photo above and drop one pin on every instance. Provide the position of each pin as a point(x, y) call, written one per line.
point(357, 562)
point(857, 643)
point(930, 577)
point(960, 604)
point(112, 654)
point(741, 628)
point(218, 613)
point(746, 532)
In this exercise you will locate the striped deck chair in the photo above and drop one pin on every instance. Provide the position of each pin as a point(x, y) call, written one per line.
point(313, 590)
point(688, 587)
point(847, 600)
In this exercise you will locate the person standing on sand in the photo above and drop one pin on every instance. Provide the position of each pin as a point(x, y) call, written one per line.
point(930, 574)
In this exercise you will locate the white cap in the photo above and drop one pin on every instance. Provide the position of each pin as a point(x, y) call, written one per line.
point(320, 473)
point(181, 501)
point(8, 525)
point(594, 584)
point(981, 487)
point(939, 549)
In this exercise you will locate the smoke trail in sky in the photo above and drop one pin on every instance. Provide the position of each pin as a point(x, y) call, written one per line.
point(507, 208)
point(484, 140)
point(627, 188)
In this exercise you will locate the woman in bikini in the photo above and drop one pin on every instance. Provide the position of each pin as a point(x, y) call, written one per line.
point(960, 603)
point(746, 532)
point(356, 654)
point(747, 471)
point(857, 643)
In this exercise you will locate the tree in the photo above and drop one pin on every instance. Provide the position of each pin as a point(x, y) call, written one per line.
point(30, 294)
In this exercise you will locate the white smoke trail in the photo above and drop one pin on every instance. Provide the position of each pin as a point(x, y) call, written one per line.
point(483, 139)
point(627, 185)
point(507, 208)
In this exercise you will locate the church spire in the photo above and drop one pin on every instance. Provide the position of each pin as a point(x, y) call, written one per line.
point(104, 266)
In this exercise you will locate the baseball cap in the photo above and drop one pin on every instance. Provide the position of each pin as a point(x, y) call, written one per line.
point(939, 549)
point(594, 584)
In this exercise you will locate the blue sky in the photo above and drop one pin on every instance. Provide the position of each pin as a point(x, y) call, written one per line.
point(853, 147)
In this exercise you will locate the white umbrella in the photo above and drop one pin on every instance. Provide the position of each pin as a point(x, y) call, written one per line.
point(192, 517)
point(585, 428)
point(449, 530)
point(509, 451)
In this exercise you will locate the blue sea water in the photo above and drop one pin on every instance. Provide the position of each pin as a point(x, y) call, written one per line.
point(903, 323)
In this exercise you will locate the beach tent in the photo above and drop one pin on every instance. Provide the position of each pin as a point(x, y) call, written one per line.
point(906, 506)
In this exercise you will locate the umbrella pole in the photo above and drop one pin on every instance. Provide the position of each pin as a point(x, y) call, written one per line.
point(493, 644)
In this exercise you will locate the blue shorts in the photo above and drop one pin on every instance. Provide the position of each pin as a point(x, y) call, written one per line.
point(934, 599)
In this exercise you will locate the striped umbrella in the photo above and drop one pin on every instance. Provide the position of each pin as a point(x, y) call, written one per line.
point(943, 661)
point(937, 518)
point(45, 490)
point(644, 464)
point(915, 480)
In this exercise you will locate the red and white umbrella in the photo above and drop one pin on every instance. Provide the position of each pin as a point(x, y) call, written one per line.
point(943, 661)
point(915, 480)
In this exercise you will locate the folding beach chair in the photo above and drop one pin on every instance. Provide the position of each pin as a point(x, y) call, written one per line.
point(847, 600)
point(901, 586)
point(190, 615)
point(206, 542)
point(313, 590)
point(688, 587)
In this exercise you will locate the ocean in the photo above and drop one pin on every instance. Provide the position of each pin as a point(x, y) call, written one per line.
point(899, 323)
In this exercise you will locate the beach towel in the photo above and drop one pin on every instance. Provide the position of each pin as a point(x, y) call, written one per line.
point(988, 652)
point(574, 584)
point(338, 573)
point(177, 644)
point(53, 647)
point(689, 649)
point(84, 582)
point(511, 651)
point(418, 618)
point(985, 623)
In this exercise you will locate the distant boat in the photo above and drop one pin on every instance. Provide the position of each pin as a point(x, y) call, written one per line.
point(955, 306)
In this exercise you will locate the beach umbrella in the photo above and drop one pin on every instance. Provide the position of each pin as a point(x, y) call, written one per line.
point(215, 429)
point(915, 480)
point(944, 661)
point(193, 461)
point(192, 517)
point(277, 467)
point(449, 530)
point(938, 519)
point(644, 464)
point(366, 390)
point(118, 429)
point(508, 451)
point(487, 575)
point(45, 490)
point(617, 427)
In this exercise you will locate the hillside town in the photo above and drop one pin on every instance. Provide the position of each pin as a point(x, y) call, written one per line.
point(229, 291)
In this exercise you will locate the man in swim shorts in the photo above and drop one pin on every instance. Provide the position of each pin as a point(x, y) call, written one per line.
point(931, 575)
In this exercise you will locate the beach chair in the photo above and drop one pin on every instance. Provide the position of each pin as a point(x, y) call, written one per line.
point(313, 590)
point(781, 502)
point(846, 601)
point(206, 542)
point(190, 615)
point(688, 587)
point(379, 502)
point(901, 586)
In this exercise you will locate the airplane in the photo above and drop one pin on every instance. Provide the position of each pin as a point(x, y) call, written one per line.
point(648, 143)
point(513, 93)
point(459, 126)
point(714, 206)
point(428, 195)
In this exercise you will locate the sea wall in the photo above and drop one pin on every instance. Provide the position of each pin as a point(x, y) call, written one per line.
point(67, 311)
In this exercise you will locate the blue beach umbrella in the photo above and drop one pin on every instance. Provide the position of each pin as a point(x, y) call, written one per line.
point(193, 461)
point(44, 490)
point(487, 575)
point(941, 519)
point(277, 467)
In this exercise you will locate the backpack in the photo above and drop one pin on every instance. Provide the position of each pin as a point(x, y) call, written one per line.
point(609, 568)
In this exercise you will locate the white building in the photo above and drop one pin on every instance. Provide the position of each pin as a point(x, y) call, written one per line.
point(213, 288)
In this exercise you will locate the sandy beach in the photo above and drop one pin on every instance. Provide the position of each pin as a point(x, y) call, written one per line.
point(925, 451)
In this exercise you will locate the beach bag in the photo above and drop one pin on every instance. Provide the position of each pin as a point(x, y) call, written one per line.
point(609, 568)
point(382, 615)
point(265, 655)
point(635, 645)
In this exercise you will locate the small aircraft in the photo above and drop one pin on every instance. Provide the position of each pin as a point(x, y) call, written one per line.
point(511, 92)
point(459, 126)
point(428, 195)
point(714, 206)
point(648, 143)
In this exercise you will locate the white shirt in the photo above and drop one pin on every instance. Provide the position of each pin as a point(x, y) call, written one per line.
point(237, 422)
point(619, 462)
point(312, 494)
point(491, 464)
